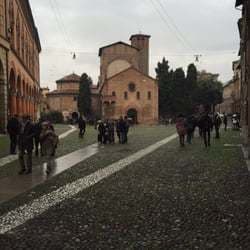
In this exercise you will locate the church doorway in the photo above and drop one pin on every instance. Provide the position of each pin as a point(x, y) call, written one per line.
point(132, 114)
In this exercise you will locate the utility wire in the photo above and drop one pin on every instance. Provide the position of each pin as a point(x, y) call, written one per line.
point(58, 23)
point(63, 24)
point(174, 25)
point(167, 23)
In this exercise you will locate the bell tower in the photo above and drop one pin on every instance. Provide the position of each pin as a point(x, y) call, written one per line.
point(141, 42)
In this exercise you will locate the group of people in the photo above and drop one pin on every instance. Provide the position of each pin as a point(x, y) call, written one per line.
point(26, 135)
point(106, 131)
point(206, 122)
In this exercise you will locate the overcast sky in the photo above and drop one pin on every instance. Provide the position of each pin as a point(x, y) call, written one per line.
point(179, 29)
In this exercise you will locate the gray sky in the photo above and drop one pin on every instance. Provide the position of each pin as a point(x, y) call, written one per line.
point(184, 28)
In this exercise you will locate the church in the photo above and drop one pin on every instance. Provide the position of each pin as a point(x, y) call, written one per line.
point(124, 88)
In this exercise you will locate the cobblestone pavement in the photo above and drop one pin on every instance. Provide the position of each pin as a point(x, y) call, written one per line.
point(173, 198)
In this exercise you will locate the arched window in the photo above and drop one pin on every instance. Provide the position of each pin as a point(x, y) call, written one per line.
point(149, 95)
point(126, 95)
point(22, 42)
point(2, 26)
point(138, 95)
point(18, 33)
point(113, 93)
point(12, 23)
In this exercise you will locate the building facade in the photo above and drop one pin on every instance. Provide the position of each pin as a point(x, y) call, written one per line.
point(64, 98)
point(232, 93)
point(126, 89)
point(19, 61)
point(244, 53)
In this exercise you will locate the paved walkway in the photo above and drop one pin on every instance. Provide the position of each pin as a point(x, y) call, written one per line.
point(15, 185)
point(10, 158)
point(22, 214)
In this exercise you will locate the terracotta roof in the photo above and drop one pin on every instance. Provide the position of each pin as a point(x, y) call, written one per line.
point(64, 92)
point(139, 35)
point(130, 68)
point(70, 78)
point(110, 45)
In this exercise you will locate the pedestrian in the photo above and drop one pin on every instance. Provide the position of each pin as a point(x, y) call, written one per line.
point(25, 145)
point(217, 124)
point(13, 128)
point(37, 130)
point(181, 130)
point(112, 132)
point(122, 129)
point(48, 139)
point(101, 132)
point(206, 126)
point(190, 127)
point(118, 131)
point(225, 121)
point(82, 127)
point(126, 129)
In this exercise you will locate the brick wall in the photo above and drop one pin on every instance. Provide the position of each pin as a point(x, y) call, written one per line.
point(3, 90)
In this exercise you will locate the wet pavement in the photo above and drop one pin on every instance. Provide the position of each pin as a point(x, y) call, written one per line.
point(15, 185)
point(11, 158)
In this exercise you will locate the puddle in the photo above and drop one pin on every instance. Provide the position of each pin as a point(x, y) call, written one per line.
point(18, 184)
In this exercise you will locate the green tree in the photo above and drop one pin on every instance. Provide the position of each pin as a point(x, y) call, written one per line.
point(209, 93)
point(164, 76)
point(84, 97)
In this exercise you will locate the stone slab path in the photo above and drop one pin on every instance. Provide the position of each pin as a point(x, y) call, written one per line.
point(15, 185)
point(11, 158)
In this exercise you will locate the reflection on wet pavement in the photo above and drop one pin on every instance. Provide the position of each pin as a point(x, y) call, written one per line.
point(16, 184)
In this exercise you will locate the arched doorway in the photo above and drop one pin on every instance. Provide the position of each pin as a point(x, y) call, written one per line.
point(132, 114)
point(12, 93)
point(2, 99)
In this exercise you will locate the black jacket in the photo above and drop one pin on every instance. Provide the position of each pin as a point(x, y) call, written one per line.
point(25, 140)
point(13, 126)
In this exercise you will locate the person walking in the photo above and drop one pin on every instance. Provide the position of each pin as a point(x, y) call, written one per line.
point(122, 129)
point(217, 124)
point(13, 129)
point(225, 121)
point(206, 126)
point(37, 130)
point(126, 129)
point(25, 145)
point(82, 127)
point(181, 130)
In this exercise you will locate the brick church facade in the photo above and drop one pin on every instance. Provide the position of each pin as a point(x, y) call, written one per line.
point(19, 61)
point(124, 88)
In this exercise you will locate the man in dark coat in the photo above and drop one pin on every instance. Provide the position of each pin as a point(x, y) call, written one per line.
point(13, 128)
point(206, 126)
point(25, 144)
point(126, 125)
point(122, 129)
point(82, 127)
